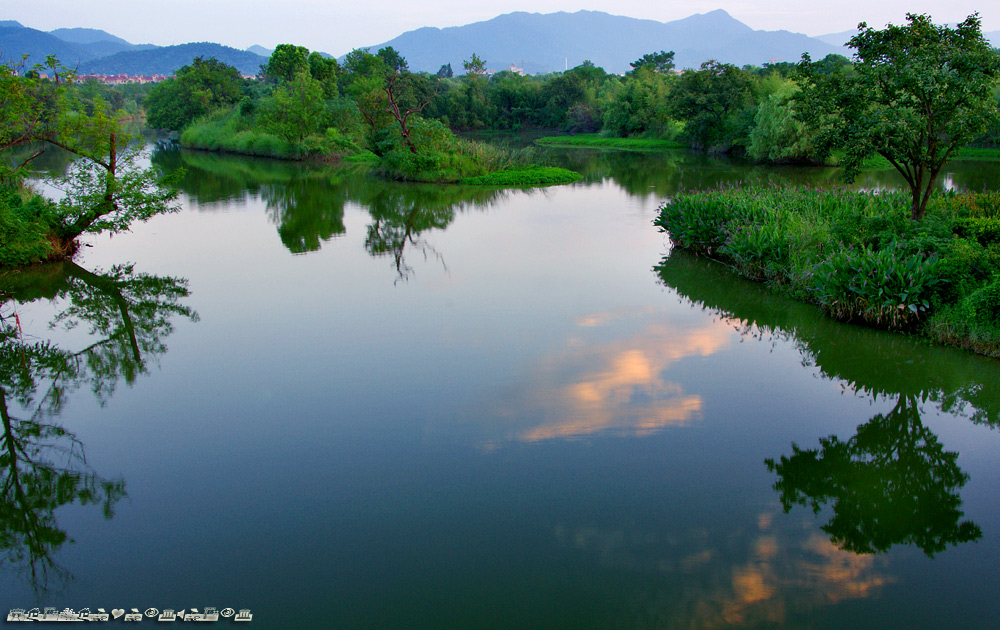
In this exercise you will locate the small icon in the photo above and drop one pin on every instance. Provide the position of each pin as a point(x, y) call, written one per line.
point(135, 615)
point(168, 614)
point(17, 614)
point(244, 615)
point(227, 612)
point(152, 612)
point(117, 612)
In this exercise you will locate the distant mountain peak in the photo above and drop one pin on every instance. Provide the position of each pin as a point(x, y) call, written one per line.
point(86, 36)
point(260, 50)
point(549, 42)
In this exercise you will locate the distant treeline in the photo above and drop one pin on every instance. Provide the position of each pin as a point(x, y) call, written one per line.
point(718, 107)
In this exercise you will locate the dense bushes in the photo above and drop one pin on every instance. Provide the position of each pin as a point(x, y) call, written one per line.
point(858, 255)
point(24, 225)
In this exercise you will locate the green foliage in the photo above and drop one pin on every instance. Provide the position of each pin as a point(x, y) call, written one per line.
point(524, 177)
point(475, 66)
point(662, 61)
point(778, 135)
point(917, 94)
point(598, 141)
point(640, 105)
point(287, 61)
point(24, 227)
point(294, 110)
point(325, 71)
point(97, 199)
point(983, 304)
point(883, 287)
point(713, 102)
point(106, 189)
point(856, 255)
point(198, 89)
point(986, 230)
point(227, 131)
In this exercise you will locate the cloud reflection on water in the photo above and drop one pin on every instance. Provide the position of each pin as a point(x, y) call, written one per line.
point(619, 386)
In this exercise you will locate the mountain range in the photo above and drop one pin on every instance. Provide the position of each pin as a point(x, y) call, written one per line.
point(538, 43)
point(93, 51)
point(556, 41)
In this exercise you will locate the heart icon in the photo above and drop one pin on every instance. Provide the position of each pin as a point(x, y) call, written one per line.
point(117, 612)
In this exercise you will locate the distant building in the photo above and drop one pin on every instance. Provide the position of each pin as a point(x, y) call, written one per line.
point(515, 69)
point(120, 79)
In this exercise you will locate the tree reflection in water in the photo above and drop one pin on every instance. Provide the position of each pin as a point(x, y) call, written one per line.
point(892, 482)
point(307, 201)
point(400, 214)
point(43, 465)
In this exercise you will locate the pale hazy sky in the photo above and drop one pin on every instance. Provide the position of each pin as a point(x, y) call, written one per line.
point(336, 26)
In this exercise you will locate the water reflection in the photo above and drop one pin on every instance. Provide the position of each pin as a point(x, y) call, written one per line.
point(892, 482)
point(306, 201)
point(765, 577)
point(663, 173)
point(43, 465)
point(401, 214)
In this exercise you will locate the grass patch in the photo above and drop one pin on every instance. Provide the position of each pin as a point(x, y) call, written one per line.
point(858, 255)
point(230, 132)
point(978, 153)
point(593, 140)
point(365, 157)
point(524, 177)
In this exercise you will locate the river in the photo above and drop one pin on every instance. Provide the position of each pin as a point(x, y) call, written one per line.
point(335, 402)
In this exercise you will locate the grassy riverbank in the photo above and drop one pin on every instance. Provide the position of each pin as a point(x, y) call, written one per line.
point(440, 157)
point(858, 256)
point(597, 141)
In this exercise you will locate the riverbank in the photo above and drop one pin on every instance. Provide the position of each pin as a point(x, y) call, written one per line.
point(436, 155)
point(857, 255)
point(597, 141)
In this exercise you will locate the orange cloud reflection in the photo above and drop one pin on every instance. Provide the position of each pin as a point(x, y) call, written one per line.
point(617, 386)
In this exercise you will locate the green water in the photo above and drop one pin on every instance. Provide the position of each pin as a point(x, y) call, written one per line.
point(344, 403)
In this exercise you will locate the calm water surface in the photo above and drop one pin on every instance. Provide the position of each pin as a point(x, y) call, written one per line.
point(343, 403)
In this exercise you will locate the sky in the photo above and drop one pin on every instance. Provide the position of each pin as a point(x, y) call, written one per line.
point(338, 26)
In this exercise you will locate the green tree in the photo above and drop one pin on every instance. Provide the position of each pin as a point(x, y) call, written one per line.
point(445, 71)
point(199, 88)
point(710, 101)
point(295, 110)
point(287, 61)
point(919, 93)
point(778, 135)
point(107, 188)
point(325, 71)
point(662, 61)
point(475, 66)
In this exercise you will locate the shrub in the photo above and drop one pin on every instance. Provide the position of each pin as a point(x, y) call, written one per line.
point(985, 229)
point(983, 305)
point(884, 287)
point(24, 226)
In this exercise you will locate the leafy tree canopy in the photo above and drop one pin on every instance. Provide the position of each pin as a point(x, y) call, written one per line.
point(286, 61)
point(199, 88)
point(662, 61)
point(919, 92)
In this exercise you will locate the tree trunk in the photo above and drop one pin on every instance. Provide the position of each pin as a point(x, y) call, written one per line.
point(917, 205)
